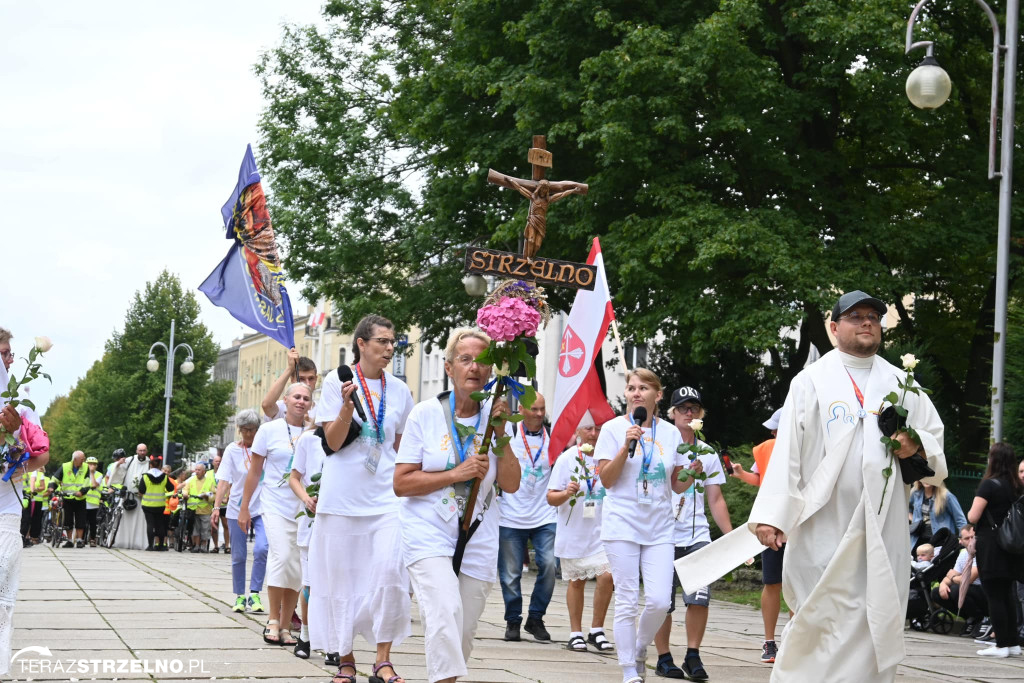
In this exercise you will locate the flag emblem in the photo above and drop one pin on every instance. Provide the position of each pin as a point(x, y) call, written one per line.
point(572, 354)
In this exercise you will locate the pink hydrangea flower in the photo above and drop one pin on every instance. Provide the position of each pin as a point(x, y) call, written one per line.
point(508, 319)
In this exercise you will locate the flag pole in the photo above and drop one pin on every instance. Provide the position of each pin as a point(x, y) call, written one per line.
point(618, 345)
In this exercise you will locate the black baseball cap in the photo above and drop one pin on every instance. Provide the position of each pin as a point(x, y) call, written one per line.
point(855, 298)
point(684, 394)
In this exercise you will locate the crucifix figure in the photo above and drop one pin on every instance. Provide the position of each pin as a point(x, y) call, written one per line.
point(542, 193)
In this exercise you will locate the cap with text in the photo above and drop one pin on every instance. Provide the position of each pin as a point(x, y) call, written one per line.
point(684, 394)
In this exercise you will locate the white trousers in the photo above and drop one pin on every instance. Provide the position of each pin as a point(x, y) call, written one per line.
point(628, 560)
point(10, 575)
point(450, 609)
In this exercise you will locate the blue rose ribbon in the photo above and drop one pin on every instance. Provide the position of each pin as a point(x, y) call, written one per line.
point(515, 388)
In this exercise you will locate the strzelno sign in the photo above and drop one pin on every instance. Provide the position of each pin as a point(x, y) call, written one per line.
point(537, 269)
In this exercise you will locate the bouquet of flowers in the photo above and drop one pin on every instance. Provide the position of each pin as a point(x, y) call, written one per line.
point(15, 452)
point(693, 451)
point(511, 313)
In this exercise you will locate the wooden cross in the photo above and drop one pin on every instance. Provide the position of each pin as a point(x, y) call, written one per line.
point(541, 192)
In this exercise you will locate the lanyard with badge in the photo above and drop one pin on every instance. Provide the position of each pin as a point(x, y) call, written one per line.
point(454, 497)
point(589, 501)
point(373, 436)
point(533, 470)
point(291, 442)
point(644, 489)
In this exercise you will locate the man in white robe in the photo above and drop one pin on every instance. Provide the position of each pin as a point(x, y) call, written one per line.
point(847, 566)
point(131, 534)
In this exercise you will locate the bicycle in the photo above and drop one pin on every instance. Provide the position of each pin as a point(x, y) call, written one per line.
point(104, 515)
point(186, 521)
point(58, 518)
point(115, 517)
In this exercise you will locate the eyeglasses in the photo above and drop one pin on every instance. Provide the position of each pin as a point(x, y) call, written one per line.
point(857, 318)
point(7, 354)
point(383, 341)
point(688, 409)
point(466, 360)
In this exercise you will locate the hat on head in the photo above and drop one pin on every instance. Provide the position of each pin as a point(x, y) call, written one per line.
point(854, 298)
point(772, 423)
point(586, 421)
point(684, 394)
point(91, 459)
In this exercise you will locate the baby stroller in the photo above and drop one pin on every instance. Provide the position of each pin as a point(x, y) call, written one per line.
point(924, 614)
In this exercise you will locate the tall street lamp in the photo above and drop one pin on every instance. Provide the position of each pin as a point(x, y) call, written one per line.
point(928, 87)
point(186, 368)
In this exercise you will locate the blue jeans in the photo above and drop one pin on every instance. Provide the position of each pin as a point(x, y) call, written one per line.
point(239, 552)
point(511, 553)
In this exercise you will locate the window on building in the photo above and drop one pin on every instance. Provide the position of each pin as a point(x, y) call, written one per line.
point(636, 356)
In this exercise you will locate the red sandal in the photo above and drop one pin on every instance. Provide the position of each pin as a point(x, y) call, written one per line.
point(345, 678)
point(377, 679)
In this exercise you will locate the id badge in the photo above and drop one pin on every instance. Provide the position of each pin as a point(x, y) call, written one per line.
point(373, 457)
point(645, 492)
point(447, 506)
point(589, 509)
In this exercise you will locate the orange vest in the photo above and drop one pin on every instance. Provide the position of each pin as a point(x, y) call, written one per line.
point(172, 501)
point(762, 453)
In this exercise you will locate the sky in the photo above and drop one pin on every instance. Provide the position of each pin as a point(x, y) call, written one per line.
point(122, 127)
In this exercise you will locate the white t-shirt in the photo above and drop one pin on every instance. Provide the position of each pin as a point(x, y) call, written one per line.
point(624, 518)
point(528, 507)
point(276, 442)
point(425, 533)
point(234, 468)
point(309, 459)
point(348, 487)
point(577, 535)
point(690, 529)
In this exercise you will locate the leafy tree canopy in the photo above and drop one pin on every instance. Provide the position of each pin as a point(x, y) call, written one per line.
point(119, 404)
point(748, 160)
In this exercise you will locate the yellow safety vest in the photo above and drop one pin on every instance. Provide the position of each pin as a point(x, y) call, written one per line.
point(74, 484)
point(156, 494)
point(93, 496)
point(195, 488)
point(33, 483)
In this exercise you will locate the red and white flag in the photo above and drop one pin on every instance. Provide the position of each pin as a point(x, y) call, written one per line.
point(577, 387)
point(316, 318)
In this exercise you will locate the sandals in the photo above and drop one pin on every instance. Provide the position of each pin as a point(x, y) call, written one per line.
point(276, 633)
point(576, 644)
point(286, 634)
point(345, 678)
point(378, 679)
point(600, 642)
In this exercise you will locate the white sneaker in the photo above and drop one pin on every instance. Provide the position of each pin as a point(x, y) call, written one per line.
point(1015, 651)
point(995, 652)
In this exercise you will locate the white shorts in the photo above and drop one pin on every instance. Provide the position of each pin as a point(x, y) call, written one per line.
point(584, 568)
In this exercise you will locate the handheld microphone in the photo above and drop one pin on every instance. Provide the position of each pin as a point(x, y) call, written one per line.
point(639, 417)
point(345, 375)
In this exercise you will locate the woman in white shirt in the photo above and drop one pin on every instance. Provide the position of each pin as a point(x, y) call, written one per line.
point(637, 525)
point(358, 583)
point(273, 451)
point(434, 470)
point(234, 468)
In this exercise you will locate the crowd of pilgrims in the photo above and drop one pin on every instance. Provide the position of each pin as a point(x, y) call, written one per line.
point(352, 516)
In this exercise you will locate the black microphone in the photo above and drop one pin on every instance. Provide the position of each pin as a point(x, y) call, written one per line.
point(345, 375)
point(639, 417)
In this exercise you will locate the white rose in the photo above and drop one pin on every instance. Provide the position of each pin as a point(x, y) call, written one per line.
point(43, 344)
point(909, 361)
point(697, 424)
point(587, 448)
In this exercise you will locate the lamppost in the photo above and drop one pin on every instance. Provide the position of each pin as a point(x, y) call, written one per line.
point(186, 368)
point(928, 87)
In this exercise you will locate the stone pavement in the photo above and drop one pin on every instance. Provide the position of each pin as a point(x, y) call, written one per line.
point(168, 614)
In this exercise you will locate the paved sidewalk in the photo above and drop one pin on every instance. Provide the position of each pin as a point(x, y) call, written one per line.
point(169, 614)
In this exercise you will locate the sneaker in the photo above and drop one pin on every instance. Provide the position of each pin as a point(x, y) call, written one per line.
point(255, 605)
point(92, 543)
point(332, 659)
point(1014, 650)
point(80, 543)
point(195, 549)
point(239, 604)
point(994, 651)
point(301, 648)
point(68, 544)
point(512, 632)
point(693, 668)
point(768, 651)
point(535, 627)
point(667, 667)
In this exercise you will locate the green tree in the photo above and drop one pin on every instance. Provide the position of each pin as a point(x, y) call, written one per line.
point(747, 161)
point(119, 403)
